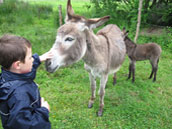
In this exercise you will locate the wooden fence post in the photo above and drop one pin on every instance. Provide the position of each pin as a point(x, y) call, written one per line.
point(138, 20)
point(60, 15)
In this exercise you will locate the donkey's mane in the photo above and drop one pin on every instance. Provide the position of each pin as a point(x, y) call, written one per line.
point(130, 42)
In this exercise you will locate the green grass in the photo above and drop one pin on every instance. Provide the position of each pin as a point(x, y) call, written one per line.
point(80, 6)
point(142, 105)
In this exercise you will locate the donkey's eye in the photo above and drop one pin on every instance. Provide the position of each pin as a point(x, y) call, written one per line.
point(69, 39)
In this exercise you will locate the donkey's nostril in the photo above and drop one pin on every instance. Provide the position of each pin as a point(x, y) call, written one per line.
point(49, 63)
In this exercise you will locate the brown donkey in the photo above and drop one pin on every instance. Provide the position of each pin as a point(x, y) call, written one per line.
point(138, 52)
point(103, 53)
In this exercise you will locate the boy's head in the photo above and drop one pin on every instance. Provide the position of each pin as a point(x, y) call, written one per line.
point(13, 49)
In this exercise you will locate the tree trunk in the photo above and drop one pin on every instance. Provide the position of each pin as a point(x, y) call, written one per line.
point(139, 20)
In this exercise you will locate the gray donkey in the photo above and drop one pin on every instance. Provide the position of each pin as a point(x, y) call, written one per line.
point(138, 52)
point(102, 53)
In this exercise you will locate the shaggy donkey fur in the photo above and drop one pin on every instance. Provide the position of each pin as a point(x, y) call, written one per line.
point(138, 52)
point(103, 53)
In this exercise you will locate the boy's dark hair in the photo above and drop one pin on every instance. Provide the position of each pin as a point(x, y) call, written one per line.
point(12, 48)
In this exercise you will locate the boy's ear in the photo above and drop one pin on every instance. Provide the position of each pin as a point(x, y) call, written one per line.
point(16, 65)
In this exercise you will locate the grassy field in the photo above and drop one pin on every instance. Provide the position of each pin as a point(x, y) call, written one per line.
point(142, 105)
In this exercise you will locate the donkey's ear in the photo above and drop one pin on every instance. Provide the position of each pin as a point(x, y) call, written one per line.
point(124, 30)
point(126, 33)
point(70, 11)
point(96, 22)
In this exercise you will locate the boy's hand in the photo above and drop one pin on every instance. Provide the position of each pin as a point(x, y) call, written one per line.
point(45, 56)
point(45, 104)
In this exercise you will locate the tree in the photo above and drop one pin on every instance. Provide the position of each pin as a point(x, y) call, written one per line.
point(139, 20)
point(157, 12)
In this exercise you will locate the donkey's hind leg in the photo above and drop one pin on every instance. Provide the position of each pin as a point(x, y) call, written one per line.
point(93, 90)
point(152, 71)
point(154, 63)
point(155, 70)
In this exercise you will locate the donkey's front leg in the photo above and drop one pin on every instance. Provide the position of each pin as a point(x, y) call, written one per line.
point(114, 79)
point(103, 81)
point(93, 90)
point(129, 74)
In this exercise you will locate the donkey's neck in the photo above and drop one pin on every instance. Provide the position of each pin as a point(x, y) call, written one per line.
point(91, 52)
point(129, 42)
point(130, 46)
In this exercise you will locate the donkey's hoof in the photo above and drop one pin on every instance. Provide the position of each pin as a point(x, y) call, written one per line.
point(154, 80)
point(90, 105)
point(100, 113)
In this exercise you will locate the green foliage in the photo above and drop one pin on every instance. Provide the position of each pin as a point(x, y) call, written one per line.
point(169, 43)
point(160, 13)
point(126, 11)
point(141, 105)
point(122, 13)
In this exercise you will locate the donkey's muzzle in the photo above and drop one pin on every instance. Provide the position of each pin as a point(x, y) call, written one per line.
point(48, 66)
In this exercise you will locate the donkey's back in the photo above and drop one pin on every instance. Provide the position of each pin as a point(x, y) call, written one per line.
point(117, 48)
point(114, 35)
point(147, 51)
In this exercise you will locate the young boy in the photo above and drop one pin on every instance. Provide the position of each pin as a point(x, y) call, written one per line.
point(21, 106)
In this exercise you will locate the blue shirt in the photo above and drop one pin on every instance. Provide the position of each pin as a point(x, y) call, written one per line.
point(20, 101)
